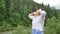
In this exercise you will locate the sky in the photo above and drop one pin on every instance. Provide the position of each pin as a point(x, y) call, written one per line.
point(52, 3)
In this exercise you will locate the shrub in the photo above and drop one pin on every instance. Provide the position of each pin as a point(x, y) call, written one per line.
point(22, 30)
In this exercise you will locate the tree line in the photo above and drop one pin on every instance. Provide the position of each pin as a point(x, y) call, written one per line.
point(15, 12)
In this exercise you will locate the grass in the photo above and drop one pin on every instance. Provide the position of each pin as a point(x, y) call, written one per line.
point(22, 30)
point(52, 27)
point(10, 32)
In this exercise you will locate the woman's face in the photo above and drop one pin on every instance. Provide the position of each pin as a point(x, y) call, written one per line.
point(37, 13)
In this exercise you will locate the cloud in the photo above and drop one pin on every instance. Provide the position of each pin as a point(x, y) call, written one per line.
point(54, 3)
point(57, 6)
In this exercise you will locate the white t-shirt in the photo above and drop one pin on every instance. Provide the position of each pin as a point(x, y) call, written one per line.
point(38, 21)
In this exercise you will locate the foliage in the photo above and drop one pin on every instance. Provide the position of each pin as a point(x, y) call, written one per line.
point(15, 12)
point(22, 30)
point(52, 27)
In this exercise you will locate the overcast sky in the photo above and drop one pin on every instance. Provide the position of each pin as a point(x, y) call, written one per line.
point(52, 3)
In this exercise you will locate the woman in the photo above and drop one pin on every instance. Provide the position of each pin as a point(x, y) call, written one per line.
point(38, 19)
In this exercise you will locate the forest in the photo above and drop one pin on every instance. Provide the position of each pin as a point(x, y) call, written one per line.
point(14, 17)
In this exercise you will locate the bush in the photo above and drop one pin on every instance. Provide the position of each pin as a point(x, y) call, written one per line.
point(6, 27)
point(52, 26)
point(22, 30)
